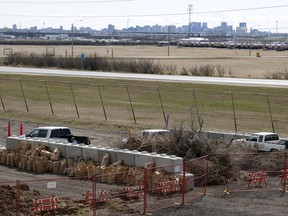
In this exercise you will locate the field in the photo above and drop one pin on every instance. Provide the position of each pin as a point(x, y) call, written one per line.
point(214, 103)
point(236, 62)
point(220, 107)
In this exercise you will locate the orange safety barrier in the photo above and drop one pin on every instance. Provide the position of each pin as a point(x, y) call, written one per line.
point(257, 177)
point(283, 175)
point(46, 204)
point(168, 187)
point(101, 198)
point(134, 191)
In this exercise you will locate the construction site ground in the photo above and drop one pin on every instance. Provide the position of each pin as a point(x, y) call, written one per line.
point(215, 202)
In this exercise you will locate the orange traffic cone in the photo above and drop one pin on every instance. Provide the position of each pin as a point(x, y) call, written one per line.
point(9, 129)
point(21, 129)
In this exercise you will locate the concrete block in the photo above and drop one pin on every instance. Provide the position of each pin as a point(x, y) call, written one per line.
point(44, 142)
point(170, 163)
point(60, 145)
point(142, 158)
point(189, 181)
point(127, 156)
point(72, 150)
point(103, 150)
point(90, 152)
point(11, 142)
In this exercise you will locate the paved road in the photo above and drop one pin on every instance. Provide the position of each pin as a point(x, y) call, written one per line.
point(153, 77)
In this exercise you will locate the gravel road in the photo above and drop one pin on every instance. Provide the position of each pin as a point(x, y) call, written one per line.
point(98, 137)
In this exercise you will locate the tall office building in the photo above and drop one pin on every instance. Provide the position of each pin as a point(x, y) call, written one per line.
point(241, 29)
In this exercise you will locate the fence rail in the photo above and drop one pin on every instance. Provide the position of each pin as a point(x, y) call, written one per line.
point(254, 172)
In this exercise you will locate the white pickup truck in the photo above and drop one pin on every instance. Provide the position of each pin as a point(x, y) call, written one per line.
point(56, 132)
point(50, 132)
point(264, 141)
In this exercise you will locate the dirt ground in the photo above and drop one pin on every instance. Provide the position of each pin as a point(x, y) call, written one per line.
point(215, 203)
point(236, 62)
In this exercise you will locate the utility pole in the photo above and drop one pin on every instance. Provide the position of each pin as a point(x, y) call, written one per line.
point(72, 41)
point(168, 51)
point(189, 25)
point(250, 40)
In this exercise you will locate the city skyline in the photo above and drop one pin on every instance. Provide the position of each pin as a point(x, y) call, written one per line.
point(98, 14)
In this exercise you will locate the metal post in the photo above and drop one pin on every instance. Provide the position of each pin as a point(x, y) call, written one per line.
point(161, 103)
point(145, 191)
point(2, 102)
point(226, 190)
point(184, 183)
point(74, 100)
point(284, 172)
point(94, 195)
point(234, 114)
point(100, 94)
point(197, 111)
point(131, 104)
point(168, 51)
point(250, 42)
point(48, 95)
point(271, 119)
point(72, 41)
point(23, 94)
point(189, 25)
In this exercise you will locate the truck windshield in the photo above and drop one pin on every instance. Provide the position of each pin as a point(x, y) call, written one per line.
point(253, 137)
point(38, 133)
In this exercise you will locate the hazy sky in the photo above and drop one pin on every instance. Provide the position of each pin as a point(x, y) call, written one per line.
point(261, 14)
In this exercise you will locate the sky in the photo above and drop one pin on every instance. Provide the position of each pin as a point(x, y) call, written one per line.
point(265, 15)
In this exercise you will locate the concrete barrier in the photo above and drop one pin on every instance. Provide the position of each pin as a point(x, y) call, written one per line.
point(170, 163)
point(60, 145)
point(73, 150)
point(106, 150)
point(142, 158)
point(90, 152)
point(127, 156)
point(223, 136)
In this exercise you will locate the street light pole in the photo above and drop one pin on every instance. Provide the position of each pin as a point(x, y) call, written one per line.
point(72, 41)
point(72, 38)
point(168, 51)
point(250, 41)
point(189, 25)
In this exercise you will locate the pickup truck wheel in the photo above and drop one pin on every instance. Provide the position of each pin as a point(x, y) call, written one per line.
point(273, 150)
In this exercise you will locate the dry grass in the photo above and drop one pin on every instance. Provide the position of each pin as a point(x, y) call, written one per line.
point(236, 63)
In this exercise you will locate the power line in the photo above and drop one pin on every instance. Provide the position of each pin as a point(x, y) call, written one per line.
point(144, 15)
point(61, 2)
point(242, 9)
